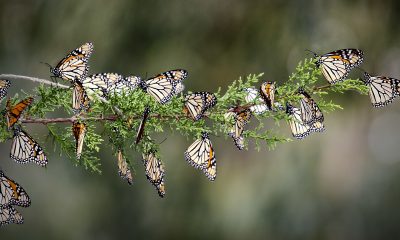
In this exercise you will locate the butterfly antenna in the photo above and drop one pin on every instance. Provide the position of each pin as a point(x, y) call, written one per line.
point(308, 50)
point(163, 140)
point(46, 64)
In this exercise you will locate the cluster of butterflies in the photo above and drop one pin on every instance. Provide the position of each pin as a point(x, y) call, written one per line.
point(74, 68)
point(162, 87)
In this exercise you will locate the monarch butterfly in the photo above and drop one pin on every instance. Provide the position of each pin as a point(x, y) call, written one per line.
point(164, 86)
point(24, 149)
point(4, 85)
point(241, 119)
point(197, 103)
point(80, 99)
point(140, 131)
point(201, 155)
point(382, 90)
point(9, 215)
point(155, 172)
point(123, 169)
point(267, 92)
point(299, 129)
point(75, 65)
point(337, 65)
point(11, 193)
point(14, 112)
point(79, 131)
point(310, 112)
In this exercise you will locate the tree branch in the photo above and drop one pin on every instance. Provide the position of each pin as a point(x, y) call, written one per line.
point(95, 119)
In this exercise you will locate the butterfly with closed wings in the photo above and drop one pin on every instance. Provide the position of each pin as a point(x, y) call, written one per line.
point(200, 154)
point(80, 99)
point(382, 90)
point(24, 149)
point(196, 104)
point(241, 119)
point(123, 169)
point(14, 112)
point(154, 172)
point(79, 131)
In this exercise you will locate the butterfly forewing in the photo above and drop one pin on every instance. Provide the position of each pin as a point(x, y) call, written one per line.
point(24, 149)
point(14, 112)
point(155, 172)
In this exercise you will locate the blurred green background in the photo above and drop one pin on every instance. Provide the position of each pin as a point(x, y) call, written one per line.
point(338, 185)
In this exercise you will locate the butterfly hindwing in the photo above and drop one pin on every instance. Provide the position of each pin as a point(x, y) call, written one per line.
point(9, 215)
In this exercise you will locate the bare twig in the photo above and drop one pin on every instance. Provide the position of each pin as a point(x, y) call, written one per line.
point(33, 79)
